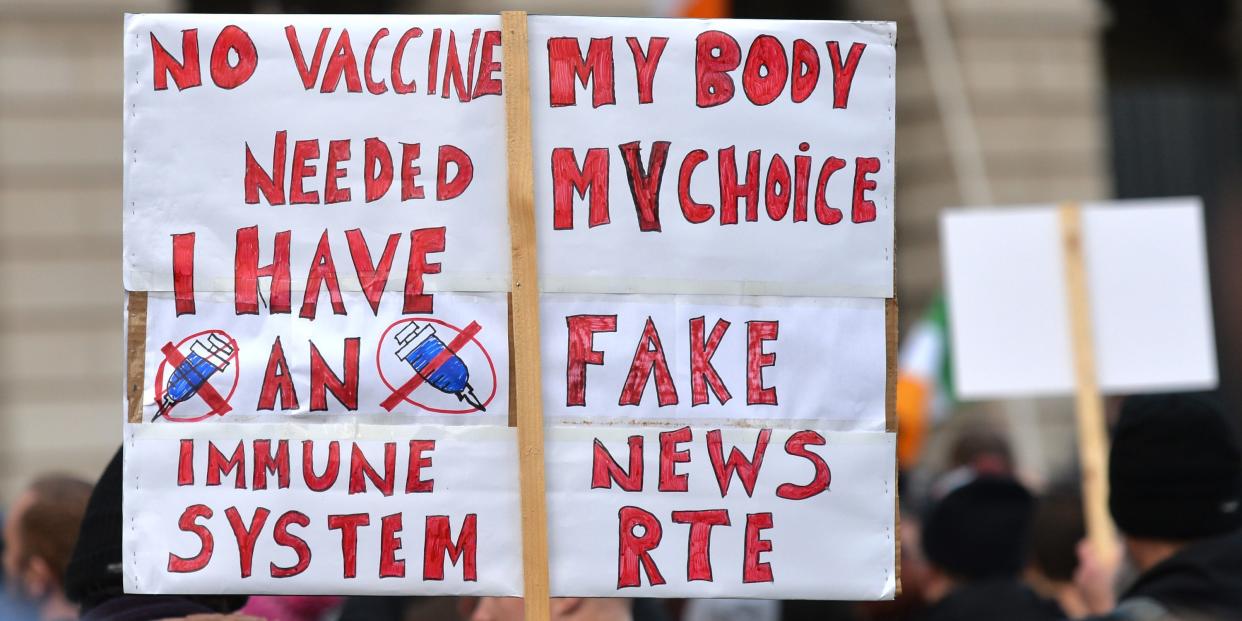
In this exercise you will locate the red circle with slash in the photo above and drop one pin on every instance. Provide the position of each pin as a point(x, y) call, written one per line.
point(491, 366)
point(159, 375)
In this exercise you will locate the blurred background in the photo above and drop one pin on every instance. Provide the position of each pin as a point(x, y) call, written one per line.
point(999, 102)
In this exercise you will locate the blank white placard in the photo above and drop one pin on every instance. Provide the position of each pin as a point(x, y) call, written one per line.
point(1148, 286)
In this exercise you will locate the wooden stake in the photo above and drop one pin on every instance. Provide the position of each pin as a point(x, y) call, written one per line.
point(890, 424)
point(890, 364)
point(527, 403)
point(136, 351)
point(1092, 429)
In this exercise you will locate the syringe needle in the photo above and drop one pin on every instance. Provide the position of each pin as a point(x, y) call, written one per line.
point(467, 395)
point(162, 408)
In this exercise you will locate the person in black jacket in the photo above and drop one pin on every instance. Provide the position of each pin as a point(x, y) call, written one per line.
point(93, 579)
point(1175, 473)
point(975, 540)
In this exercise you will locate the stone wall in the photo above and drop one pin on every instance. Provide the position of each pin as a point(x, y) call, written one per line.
point(60, 235)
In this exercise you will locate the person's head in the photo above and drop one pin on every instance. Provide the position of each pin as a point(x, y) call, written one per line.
point(1056, 530)
point(978, 532)
point(563, 609)
point(1175, 474)
point(984, 452)
point(39, 532)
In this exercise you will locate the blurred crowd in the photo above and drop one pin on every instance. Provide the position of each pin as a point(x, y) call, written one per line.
point(977, 544)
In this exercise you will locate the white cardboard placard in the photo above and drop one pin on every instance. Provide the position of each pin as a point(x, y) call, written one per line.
point(1148, 292)
point(436, 472)
point(835, 543)
point(186, 149)
point(770, 255)
point(286, 365)
point(816, 523)
point(226, 260)
point(774, 360)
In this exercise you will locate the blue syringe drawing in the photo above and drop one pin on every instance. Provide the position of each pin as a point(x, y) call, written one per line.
point(419, 345)
point(205, 359)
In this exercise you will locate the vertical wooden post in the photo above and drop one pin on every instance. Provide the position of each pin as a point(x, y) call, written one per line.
point(1092, 429)
point(890, 424)
point(527, 402)
point(135, 352)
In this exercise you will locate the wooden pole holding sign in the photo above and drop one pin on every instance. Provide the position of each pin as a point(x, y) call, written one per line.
point(1089, 404)
point(527, 401)
point(135, 352)
point(890, 422)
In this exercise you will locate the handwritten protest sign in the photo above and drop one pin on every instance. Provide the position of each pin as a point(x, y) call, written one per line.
point(275, 138)
point(646, 358)
point(321, 508)
point(349, 364)
point(721, 512)
point(320, 364)
point(723, 156)
point(732, 171)
point(317, 264)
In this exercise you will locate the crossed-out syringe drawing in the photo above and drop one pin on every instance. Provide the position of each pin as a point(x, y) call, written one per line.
point(434, 362)
point(209, 355)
